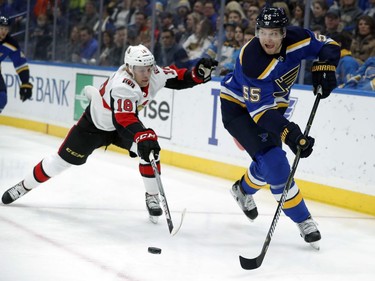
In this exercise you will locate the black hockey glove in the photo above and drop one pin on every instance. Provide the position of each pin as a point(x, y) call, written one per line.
point(25, 91)
point(293, 137)
point(324, 74)
point(147, 141)
point(204, 68)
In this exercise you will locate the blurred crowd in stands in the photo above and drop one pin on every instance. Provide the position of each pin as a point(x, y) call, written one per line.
point(98, 32)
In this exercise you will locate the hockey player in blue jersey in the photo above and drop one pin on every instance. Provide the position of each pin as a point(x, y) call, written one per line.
point(254, 98)
point(10, 48)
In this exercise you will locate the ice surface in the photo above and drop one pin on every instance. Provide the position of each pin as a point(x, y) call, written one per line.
point(90, 223)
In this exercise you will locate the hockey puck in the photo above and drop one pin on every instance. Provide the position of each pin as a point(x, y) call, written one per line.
point(154, 250)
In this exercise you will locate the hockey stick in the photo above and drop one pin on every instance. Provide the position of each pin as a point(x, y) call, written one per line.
point(256, 262)
point(172, 230)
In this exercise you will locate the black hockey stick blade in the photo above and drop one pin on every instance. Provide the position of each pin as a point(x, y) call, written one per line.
point(254, 263)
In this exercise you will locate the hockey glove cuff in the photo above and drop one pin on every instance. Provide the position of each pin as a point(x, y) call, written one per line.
point(26, 91)
point(146, 142)
point(324, 74)
point(294, 138)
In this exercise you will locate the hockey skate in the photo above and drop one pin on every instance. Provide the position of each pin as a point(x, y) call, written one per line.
point(13, 193)
point(153, 207)
point(245, 201)
point(309, 232)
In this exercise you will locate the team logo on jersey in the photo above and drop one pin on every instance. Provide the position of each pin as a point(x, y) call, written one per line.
point(285, 82)
point(263, 137)
point(292, 105)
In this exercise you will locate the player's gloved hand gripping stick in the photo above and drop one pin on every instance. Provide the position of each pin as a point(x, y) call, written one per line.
point(257, 261)
point(172, 230)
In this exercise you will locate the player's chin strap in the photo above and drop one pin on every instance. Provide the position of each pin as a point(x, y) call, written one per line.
point(172, 230)
point(257, 261)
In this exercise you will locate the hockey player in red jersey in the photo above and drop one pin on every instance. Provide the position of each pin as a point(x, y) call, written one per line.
point(112, 118)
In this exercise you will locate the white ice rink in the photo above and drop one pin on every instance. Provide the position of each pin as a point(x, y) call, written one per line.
point(90, 224)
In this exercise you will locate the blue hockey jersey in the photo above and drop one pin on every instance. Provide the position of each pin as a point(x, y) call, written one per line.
point(10, 48)
point(262, 82)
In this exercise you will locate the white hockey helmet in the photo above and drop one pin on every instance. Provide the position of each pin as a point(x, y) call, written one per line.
point(138, 56)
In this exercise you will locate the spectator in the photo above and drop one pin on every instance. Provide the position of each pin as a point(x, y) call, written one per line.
point(132, 39)
point(62, 25)
point(235, 17)
point(239, 42)
point(72, 47)
point(75, 8)
point(107, 23)
point(333, 26)
point(319, 9)
point(159, 8)
point(140, 26)
point(192, 21)
point(198, 7)
point(107, 45)
point(90, 15)
point(236, 14)
point(182, 10)
point(220, 22)
point(171, 52)
point(120, 15)
point(370, 11)
point(239, 36)
point(227, 49)
point(141, 6)
point(298, 13)
point(350, 13)
point(252, 22)
point(43, 7)
point(146, 36)
point(249, 34)
point(120, 40)
point(89, 45)
point(199, 41)
point(246, 4)
point(252, 10)
point(210, 13)
point(41, 38)
point(363, 44)
point(348, 65)
point(364, 78)
point(167, 22)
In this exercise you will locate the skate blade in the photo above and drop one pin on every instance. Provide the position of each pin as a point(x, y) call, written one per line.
point(315, 245)
point(154, 219)
point(252, 221)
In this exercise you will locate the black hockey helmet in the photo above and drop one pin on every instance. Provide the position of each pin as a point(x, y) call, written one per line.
point(271, 17)
point(4, 21)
